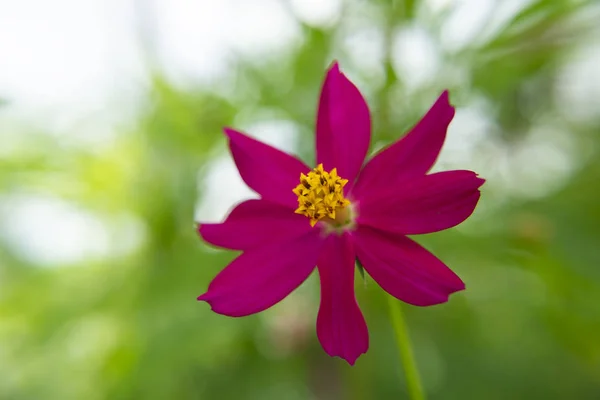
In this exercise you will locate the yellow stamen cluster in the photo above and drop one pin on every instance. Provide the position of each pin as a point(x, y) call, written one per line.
point(321, 194)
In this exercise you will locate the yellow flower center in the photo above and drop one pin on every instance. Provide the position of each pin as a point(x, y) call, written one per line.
point(321, 196)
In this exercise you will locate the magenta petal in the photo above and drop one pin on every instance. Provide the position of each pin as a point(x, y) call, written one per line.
point(263, 276)
point(425, 204)
point(270, 172)
point(343, 126)
point(412, 155)
point(341, 327)
point(254, 223)
point(404, 269)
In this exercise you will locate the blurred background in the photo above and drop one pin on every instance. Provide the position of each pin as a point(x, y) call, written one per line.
point(111, 148)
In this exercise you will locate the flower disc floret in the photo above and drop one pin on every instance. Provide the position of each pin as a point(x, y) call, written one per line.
point(321, 195)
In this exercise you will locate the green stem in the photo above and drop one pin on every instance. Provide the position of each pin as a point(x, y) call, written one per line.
point(413, 381)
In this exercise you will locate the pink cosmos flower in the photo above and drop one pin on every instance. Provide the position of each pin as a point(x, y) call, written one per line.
point(339, 212)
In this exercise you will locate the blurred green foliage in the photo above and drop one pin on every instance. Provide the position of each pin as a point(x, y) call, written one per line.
point(128, 326)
